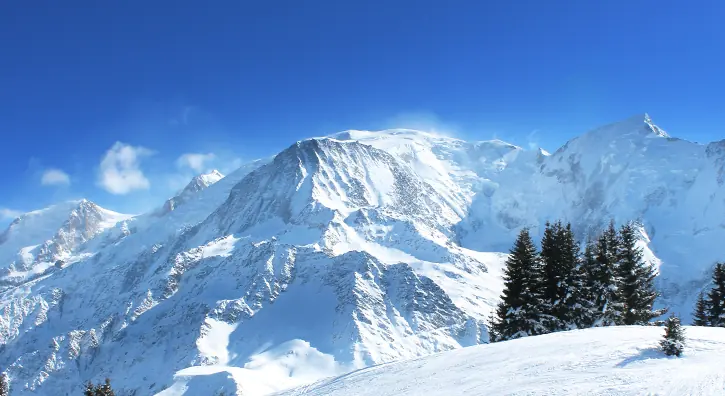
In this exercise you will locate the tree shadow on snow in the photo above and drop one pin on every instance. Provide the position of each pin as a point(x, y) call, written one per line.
point(644, 354)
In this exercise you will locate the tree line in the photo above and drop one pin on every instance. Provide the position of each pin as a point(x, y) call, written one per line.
point(564, 287)
point(90, 389)
point(710, 307)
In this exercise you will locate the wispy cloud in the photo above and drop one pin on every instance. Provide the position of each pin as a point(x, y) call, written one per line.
point(531, 140)
point(182, 118)
point(54, 177)
point(423, 121)
point(195, 161)
point(6, 213)
point(120, 169)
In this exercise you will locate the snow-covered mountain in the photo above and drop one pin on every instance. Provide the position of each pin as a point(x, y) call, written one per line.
point(338, 253)
point(37, 240)
point(602, 361)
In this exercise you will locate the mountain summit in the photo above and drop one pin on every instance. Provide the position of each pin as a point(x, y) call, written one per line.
point(196, 184)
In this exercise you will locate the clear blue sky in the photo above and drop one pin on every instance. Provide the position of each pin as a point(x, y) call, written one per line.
point(244, 79)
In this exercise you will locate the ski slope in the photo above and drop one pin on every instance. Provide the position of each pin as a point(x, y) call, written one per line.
point(602, 361)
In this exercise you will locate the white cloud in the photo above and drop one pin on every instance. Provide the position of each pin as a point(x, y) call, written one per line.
point(423, 121)
point(195, 161)
point(531, 140)
point(54, 177)
point(6, 213)
point(120, 171)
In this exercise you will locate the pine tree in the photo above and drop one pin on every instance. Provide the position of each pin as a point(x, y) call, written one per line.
point(550, 276)
point(702, 309)
point(4, 385)
point(90, 389)
point(105, 389)
point(589, 291)
point(636, 291)
point(561, 278)
point(517, 315)
point(574, 303)
point(716, 297)
point(674, 338)
point(603, 279)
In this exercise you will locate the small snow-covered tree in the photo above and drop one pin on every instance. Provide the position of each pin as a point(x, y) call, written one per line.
point(716, 297)
point(674, 338)
point(702, 308)
point(517, 314)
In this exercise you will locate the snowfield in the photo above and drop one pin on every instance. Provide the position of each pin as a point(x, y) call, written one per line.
point(601, 361)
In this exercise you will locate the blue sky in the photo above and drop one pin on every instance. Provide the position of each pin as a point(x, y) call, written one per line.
point(122, 102)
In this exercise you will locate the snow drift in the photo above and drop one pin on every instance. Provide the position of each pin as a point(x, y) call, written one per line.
point(603, 361)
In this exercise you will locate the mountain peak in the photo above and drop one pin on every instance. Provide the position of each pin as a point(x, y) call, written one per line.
point(201, 182)
point(638, 125)
point(197, 183)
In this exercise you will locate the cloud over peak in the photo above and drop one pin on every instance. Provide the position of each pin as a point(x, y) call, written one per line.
point(6, 213)
point(195, 161)
point(54, 177)
point(120, 169)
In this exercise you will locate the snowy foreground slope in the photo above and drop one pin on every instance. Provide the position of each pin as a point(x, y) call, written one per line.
point(338, 253)
point(601, 361)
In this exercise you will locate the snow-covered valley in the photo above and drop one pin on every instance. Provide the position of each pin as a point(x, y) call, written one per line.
point(339, 253)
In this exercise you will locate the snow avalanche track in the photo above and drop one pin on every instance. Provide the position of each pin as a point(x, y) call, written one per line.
point(602, 361)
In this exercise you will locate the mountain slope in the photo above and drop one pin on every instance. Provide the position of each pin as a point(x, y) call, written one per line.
point(603, 361)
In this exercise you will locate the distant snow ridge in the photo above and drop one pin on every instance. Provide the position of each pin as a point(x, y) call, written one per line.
point(196, 184)
point(338, 253)
point(51, 235)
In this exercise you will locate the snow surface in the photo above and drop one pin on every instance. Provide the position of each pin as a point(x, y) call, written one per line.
point(339, 253)
point(602, 361)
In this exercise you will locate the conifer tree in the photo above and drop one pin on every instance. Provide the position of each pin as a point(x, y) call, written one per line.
point(589, 292)
point(600, 263)
point(702, 309)
point(551, 275)
point(517, 315)
point(674, 338)
point(636, 292)
point(574, 304)
point(4, 385)
point(561, 277)
point(716, 297)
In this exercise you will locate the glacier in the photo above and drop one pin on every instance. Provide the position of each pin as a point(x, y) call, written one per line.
point(340, 252)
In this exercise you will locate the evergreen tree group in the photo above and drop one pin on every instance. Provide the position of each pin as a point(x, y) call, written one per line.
point(561, 288)
point(710, 308)
point(103, 389)
point(674, 338)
